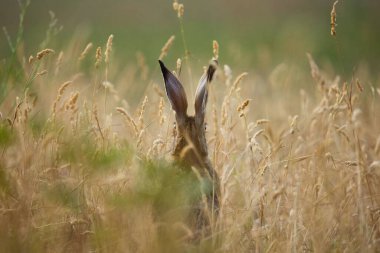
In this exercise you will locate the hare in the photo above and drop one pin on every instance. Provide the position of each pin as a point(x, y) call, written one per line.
point(191, 147)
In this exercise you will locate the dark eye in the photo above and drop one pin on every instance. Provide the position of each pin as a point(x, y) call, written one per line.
point(205, 126)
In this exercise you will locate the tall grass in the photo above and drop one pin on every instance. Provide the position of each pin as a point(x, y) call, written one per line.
point(85, 162)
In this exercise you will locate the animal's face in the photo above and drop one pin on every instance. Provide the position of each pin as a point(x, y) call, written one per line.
point(191, 145)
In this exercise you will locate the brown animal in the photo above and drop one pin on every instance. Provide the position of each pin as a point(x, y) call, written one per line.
point(190, 150)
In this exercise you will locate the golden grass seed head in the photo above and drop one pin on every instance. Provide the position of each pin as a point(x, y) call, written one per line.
point(41, 73)
point(243, 105)
point(129, 119)
point(237, 81)
point(262, 121)
point(140, 138)
point(108, 49)
point(359, 86)
point(44, 52)
point(71, 102)
point(215, 49)
point(85, 51)
point(179, 65)
point(31, 59)
point(58, 62)
point(181, 10)
point(142, 110)
point(61, 90)
point(98, 57)
point(161, 111)
point(175, 5)
point(333, 19)
point(166, 47)
point(63, 87)
point(228, 74)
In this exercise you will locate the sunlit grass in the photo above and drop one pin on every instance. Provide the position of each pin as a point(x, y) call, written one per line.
point(85, 156)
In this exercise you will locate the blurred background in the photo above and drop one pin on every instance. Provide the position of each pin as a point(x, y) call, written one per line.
point(254, 33)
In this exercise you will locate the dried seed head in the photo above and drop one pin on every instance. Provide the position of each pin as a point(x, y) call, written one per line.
point(63, 87)
point(142, 110)
point(358, 84)
point(43, 53)
point(98, 57)
point(181, 10)
point(333, 19)
point(31, 59)
point(41, 73)
point(161, 111)
point(237, 81)
point(227, 74)
point(215, 49)
point(129, 119)
point(58, 62)
point(175, 5)
point(140, 138)
point(166, 47)
point(243, 105)
point(61, 90)
point(85, 51)
point(179, 65)
point(108, 49)
point(71, 103)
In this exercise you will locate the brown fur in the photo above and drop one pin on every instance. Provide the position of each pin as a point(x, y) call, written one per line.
point(190, 151)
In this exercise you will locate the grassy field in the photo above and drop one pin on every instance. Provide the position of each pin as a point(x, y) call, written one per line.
point(86, 138)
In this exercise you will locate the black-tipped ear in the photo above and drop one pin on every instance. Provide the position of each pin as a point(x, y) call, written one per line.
point(175, 92)
point(201, 93)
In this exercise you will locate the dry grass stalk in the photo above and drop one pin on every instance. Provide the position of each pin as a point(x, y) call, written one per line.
point(61, 90)
point(140, 139)
point(141, 113)
point(111, 88)
point(58, 62)
point(158, 90)
point(142, 65)
point(236, 82)
point(313, 190)
point(95, 113)
point(161, 115)
point(359, 86)
point(128, 118)
point(85, 51)
point(228, 74)
point(315, 72)
point(166, 47)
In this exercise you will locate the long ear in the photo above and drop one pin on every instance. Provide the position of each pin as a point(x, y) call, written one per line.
point(201, 93)
point(175, 92)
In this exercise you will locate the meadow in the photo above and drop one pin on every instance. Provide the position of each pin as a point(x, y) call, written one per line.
point(86, 141)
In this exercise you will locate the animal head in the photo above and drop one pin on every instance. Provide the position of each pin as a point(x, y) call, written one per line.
point(191, 145)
